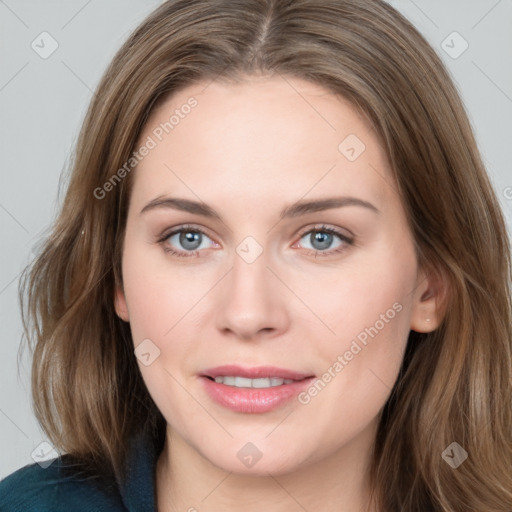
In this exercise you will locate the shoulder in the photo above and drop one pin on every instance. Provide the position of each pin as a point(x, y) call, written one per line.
point(60, 487)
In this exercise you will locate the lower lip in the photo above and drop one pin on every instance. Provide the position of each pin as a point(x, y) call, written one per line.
point(254, 400)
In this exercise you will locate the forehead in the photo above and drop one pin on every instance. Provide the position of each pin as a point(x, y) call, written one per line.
point(282, 137)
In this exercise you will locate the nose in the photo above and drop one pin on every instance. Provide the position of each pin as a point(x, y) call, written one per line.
point(252, 301)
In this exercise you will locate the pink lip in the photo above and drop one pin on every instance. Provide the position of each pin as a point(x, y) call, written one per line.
point(253, 400)
point(259, 372)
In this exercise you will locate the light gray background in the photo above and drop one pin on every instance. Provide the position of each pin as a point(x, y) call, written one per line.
point(43, 101)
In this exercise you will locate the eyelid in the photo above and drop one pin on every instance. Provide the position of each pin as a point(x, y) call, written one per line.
point(325, 227)
point(166, 233)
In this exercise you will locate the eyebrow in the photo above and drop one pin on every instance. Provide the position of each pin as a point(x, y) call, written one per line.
point(294, 210)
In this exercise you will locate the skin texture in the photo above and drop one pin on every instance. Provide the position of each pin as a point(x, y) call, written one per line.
point(249, 150)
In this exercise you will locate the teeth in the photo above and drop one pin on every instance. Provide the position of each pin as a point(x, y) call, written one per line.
point(243, 382)
point(262, 383)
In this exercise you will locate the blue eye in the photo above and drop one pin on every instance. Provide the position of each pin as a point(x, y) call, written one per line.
point(326, 240)
point(320, 240)
point(187, 241)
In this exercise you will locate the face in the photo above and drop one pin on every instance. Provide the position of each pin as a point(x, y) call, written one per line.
point(269, 274)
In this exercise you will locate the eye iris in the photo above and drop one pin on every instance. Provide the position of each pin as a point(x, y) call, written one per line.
point(323, 239)
point(189, 239)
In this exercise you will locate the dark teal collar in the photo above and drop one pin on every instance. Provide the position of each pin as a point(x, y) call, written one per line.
point(138, 488)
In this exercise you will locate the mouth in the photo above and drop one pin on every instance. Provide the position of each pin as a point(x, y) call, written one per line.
point(253, 390)
point(243, 382)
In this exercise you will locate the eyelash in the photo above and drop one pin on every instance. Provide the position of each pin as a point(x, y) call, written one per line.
point(318, 229)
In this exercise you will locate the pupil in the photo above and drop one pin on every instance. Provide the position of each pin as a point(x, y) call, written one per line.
point(322, 239)
point(189, 240)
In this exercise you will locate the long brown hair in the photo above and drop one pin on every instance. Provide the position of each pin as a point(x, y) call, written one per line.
point(455, 384)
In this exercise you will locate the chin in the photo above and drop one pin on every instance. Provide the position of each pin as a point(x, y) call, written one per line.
point(248, 459)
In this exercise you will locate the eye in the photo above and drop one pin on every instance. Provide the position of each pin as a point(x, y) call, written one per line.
point(327, 240)
point(186, 241)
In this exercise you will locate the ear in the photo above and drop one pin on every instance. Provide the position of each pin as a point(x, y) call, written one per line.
point(429, 301)
point(120, 304)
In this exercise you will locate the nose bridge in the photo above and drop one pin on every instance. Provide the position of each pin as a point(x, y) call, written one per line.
point(250, 300)
point(249, 280)
point(249, 274)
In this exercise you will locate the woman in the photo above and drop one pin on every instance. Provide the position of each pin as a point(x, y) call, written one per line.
point(280, 279)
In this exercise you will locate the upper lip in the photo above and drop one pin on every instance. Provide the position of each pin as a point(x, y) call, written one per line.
point(258, 372)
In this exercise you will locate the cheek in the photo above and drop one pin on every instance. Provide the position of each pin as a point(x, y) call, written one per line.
point(159, 295)
point(368, 312)
point(163, 302)
point(159, 304)
point(372, 292)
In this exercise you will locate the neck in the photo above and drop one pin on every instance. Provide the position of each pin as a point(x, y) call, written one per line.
point(186, 481)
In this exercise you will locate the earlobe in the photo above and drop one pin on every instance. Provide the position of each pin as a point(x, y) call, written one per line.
point(428, 302)
point(120, 304)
